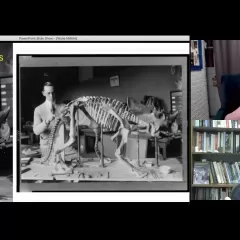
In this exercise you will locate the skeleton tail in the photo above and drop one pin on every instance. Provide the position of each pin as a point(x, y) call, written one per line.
point(51, 139)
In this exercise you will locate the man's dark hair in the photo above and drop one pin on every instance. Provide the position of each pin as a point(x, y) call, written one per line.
point(48, 84)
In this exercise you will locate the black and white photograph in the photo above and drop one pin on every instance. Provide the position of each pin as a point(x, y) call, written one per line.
point(194, 51)
point(115, 119)
point(6, 122)
point(195, 44)
point(196, 55)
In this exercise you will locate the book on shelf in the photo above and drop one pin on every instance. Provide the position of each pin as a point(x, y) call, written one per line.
point(211, 193)
point(216, 172)
point(217, 123)
point(201, 173)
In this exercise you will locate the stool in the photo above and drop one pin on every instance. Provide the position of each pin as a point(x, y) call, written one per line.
point(160, 144)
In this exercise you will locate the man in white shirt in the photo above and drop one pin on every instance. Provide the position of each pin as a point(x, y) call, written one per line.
point(44, 115)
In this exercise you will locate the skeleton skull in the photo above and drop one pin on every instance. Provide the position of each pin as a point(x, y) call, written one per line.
point(153, 117)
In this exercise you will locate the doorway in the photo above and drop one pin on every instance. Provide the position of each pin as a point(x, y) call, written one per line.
point(213, 96)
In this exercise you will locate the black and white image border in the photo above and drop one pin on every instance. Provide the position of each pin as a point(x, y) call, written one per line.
point(107, 56)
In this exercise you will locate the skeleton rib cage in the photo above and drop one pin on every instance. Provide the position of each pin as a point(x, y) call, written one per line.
point(107, 120)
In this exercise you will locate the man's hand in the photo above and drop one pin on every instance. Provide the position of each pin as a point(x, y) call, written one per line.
point(50, 118)
point(58, 151)
point(66, 120)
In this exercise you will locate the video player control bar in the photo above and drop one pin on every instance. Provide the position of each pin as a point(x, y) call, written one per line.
point(126, 38)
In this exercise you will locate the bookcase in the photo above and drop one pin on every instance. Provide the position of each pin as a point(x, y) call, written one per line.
point(176, 103)
point(215, 158)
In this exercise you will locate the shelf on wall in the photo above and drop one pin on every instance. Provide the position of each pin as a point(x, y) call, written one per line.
point(215, 129)
point(216, 154)
point(217, 185)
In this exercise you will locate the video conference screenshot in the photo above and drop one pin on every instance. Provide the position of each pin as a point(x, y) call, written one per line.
point(113, 114)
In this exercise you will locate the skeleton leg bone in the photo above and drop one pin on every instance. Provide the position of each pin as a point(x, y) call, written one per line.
point(123, 131)
point(115, 135)
point(86, 119)
point(98, 153)
point(118, 153)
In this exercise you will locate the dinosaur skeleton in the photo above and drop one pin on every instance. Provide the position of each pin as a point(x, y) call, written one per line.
point(5, 129)
point(103, 112)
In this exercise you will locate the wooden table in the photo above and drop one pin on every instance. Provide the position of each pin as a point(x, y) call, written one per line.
point(6, 145)
point(162, 143)
point(110, 147)
point(6, 155)
point(88, 133)
point(24, 137)
point(39, 172)
point(33, 148)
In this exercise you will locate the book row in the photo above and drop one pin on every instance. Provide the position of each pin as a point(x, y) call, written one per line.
point(211, 193)
point(217, 123)
point(221, 142)
point(212, 172)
